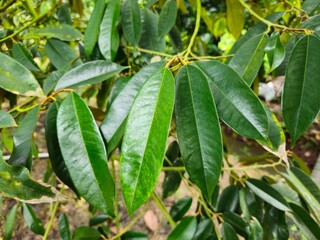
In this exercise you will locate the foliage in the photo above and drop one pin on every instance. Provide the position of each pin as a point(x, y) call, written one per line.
point(133, 88)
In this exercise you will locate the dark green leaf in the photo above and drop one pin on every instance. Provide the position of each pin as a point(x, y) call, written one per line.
point(61, 54)
point(172, 180)
point(180, 208)
point(22, 140)
point(117, 87)
point(144, 142)
point(167, 18)
point(134, 235)
point(86, 233)
point(131, 24)
point(235, 17)
point(96, 220)
point(9, 225)
point(312, 23)
point(229, 199)
point(305, 222)
point(173, 151)
point(249, 205)
point(64, 15)
point(311, 6)
point(93, 27)
point(89, 73)
point(6, 120)
point(256, 230)
point(63, 32)
point(228, 233)
point(249, 57)
point(275, 51)
point(198, 129)
point(281, 70)
point(300, 99)
point(11, 80)
point(64, 229)
point(203, 230)
point(176, 39)
point(238, 223)
point(236, 103)
point(274, 224)
point(33, 222)
point(113, 125)
point(84, 153)
point(109, 36)
point(51, 81)
point(57, 161)
point(268, 194)
point(185, 230)
point(23, 56)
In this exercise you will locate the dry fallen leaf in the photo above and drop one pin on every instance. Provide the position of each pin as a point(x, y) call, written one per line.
point(151, 220)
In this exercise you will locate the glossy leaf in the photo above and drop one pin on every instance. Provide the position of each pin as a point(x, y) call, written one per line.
point(114, 124)
point(305, 222)
point(92, 31)
point(84, 153)
point(236, 103)
point(134, 235)
point(131, 24)
point(235, 17)
point(23, 56)
point(300, 99)
point(180, 208)
point(17, 79)
point(10, 220)
point(6, 120)
point(229, 199)
point(61, 54)
point(167, 17)
point(117, 87)
point(87, 233)
point(15, 182)
point(249, 57)
point(33, 222)
point(51, 81)
point(63, 32)
point(287, 192)
point(248, 204)
point(185, 230)
point(144, 142)
point(256, 230)
point(172, 180)
point(198, 129)
point(96, 220)
point(109, 37)
point(64, 229)
point(204, 228)
point(228, 232)
point(275, 51)
point(89, 73)
point(268, 194)
point(57, 162)
point(238, 223)
point(312, 23)
point(310, 6)
point(21, 155)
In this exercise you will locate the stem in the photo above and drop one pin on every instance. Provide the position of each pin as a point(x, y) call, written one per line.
point(31, 8)
point(163, 209)
point(236, 168)
point(21, 105)
point(196, 29)
point(150, 51)
point(8, 4)
point(54, 211)
point(116, 199)
point(176, 169)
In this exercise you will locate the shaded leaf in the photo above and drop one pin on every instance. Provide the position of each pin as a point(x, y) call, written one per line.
point(198, 129)
point(238, 223)
point(23, 56)
point(64, 15)
point(144, 142)
point(96, 220)
point(300, 99)
point(235, 17)
point(310, 6)
point(274, 224)
point(84, 153)
point(64, 229)
point(185, 230)
point(134, 235)
point(229, 199)
point(204, 228)
point(228, 232)
point(33, 222)
point(312, 23)
point(167, 17)
point(86, 233)
point(131, 24)
point(180, 208)
point(9, 224)
point(275, 51)
point(256, 230)
point(172, 180)
point(51, 81)
point(287, 192)
point(89, 73)
point(6, 120)
point(17, 79)
point(63, 32)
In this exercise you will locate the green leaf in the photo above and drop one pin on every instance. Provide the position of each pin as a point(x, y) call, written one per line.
point(274, 224)
point(64, 229)
point(17, 79)
point(300, 99)
point(21, 155)
point(109, 37)
point(61, 54)
point(6, 120)
point(235, 17)
point(96, 220)
point(312, 23)
point(144, 141)
point(167, 18)
point(268, 194)
point(89, 73)
point(63, 14)
point(238, 223)
point(33, 222)
point(229, 199)
point(149, 36)
point(51, 81)
point(86, 233)
point(275, 51)
point(23, 56)
point(113, 125)
point(15, 182)
point(228, 232)
point(256, 230)
point(131, 24)
point(310, 6)
point(57, 162)
point(9, 225)
point(305, 222)
point(204, 229)
point(249, 57)
point(236, 103)
point(185, 230)
point(84, 153)
point(172, 180)
point(63, 32)
point(92, 31)
point(287, 192)
point(198, 129)
point(134, 235)
point(180, 208)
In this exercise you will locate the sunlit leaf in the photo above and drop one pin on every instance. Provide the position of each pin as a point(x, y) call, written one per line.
point(235, 17)
point(6, 120)
point(23, 56)
point(184, 230)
